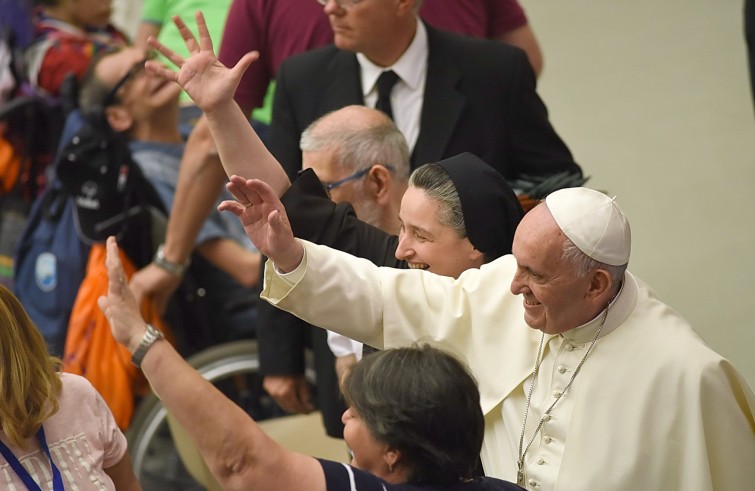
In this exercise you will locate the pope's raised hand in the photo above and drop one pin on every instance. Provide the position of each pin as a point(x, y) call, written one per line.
point(265, 221)
point(201, 74)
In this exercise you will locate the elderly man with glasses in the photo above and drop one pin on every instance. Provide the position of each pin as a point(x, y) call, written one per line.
point(362, 159)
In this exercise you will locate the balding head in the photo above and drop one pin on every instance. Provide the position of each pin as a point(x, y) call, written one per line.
point(350, 118)
point(360, 137)
point(356, 138)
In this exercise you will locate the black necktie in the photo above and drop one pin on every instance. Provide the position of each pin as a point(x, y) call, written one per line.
point(385, 83)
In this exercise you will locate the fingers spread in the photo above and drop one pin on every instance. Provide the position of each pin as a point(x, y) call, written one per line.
point(205, 41)
point(166, 52)
point(244, 63)
point(186, 34)
point(161, 70)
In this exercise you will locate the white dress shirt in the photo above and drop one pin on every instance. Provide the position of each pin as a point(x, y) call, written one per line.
point(409, 91)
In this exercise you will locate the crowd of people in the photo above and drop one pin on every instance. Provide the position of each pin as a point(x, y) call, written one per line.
point(366, 149)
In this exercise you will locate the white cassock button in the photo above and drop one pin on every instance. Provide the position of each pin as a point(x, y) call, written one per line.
point(533, 483)
point(540, 461)
point(547, 417)
point(547, 439)
point(557, 393)
point(568, 347)
point(562, 369)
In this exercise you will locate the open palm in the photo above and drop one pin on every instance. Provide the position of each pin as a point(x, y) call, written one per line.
point(201, 75)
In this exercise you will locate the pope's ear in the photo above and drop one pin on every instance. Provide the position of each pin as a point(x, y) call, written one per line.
point(600, 283)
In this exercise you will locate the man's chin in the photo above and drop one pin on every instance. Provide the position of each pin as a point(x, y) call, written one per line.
point(344, 44)
point(534, 322)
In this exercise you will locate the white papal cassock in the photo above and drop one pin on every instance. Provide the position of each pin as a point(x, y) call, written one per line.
point(652, 408)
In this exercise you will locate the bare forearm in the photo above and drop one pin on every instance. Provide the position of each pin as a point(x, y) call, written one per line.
point(146, 29)
point(223, 433)
point(236, 450)
point(241, 151)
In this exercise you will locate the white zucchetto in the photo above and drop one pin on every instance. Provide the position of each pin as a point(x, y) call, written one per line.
point(594, 222)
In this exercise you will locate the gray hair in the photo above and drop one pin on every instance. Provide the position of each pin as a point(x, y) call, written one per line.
point(360, 149)
point(583, 263)
point(437, 184)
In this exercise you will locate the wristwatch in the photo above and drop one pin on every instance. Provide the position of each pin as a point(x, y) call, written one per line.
point(169, 266)
point(151, 335)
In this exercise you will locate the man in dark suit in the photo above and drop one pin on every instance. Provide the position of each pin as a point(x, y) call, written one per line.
point(453, 94)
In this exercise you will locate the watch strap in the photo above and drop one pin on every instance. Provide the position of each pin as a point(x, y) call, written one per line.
point(160, 260)
point(151, 335)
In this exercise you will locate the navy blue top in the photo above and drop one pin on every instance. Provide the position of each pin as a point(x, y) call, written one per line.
point(342, 477)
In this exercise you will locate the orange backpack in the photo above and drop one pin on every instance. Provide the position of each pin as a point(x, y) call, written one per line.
point(91, 350)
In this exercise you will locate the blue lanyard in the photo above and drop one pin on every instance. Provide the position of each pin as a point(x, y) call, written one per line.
point(57, 480)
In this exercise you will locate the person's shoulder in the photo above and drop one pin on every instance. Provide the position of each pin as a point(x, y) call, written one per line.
point(76, 392)
point(75, 383)
point(339, 476)
point(669, 339)
point(315, 58)
point(446, 40)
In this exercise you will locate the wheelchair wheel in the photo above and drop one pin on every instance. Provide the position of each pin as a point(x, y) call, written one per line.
point(234, 369)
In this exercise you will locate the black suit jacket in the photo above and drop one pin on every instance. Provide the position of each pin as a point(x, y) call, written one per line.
point(480, 97)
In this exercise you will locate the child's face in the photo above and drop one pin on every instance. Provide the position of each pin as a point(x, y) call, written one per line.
point(91, 13)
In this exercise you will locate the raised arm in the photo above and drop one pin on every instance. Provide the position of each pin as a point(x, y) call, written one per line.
point(211, 85)
point(238, 453)
point(201, 175)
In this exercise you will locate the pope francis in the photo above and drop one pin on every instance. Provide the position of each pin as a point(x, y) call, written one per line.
point(587, 380)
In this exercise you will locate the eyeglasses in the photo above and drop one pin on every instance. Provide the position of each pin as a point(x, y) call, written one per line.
point(344, 4)
point(112, 96)
point(329, 186)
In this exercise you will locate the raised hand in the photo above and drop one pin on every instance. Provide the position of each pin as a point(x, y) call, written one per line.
point(119, 306)
point(265, 221)
point(201, 75)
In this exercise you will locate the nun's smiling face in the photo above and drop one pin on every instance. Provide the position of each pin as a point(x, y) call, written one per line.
point(426, 243)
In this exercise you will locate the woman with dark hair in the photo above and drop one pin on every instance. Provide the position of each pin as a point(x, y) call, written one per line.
point(414, 423)
point(55, 430)
point(423, 404)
